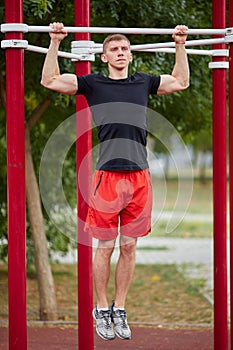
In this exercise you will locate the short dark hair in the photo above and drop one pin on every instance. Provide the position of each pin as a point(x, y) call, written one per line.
point(114, 37)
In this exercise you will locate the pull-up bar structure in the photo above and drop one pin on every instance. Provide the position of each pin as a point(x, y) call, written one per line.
point(24, 28)
point(14, 30)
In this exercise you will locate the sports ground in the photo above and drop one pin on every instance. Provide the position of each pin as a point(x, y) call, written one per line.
point(146, 338)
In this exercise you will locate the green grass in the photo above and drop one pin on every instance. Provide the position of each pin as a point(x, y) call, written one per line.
point(184, 230)
point(165, 196)
point(158, 294)
point(160, 248)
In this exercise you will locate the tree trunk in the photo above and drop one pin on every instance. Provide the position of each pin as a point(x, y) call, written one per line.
point(48, 305)
point(202, 166)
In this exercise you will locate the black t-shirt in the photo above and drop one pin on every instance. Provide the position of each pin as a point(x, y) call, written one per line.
point(119, 110)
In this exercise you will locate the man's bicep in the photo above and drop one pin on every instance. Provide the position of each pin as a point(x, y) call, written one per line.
point(64, 83)
point(67, 84)
point(167, 84)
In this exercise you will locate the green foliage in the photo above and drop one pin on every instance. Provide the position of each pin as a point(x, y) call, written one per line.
point(38, 8)
point(189, 111)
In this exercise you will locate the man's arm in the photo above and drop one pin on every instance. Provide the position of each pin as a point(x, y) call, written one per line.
point(179, 79)
point(51, 77)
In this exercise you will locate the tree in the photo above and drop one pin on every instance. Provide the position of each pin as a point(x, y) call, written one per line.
point(48, 305)
point(36, 105)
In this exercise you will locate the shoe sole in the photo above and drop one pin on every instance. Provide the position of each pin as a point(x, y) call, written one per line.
point(99, 334)
point(123, 338)
point(118, 334)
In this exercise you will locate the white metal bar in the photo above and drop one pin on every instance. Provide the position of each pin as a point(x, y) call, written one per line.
point(112, 30)
point(14, 43)
point(172, 44)
point(215, 53)
point(164, 50)
point(60, 53)
point(173, 50)
point(189, 51)
point(98, 48)
point(218, 65)
point(16, 27)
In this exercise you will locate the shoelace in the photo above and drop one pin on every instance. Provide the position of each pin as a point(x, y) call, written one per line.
point(122, 316)
point(105, 315)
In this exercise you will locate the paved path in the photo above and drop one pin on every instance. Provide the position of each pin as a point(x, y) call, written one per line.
point(163, 251)
point(175, 251)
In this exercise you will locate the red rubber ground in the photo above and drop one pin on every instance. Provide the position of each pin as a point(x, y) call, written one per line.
point(146, 338)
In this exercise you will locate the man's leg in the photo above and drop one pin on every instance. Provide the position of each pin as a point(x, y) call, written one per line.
point(124, 269)
point(123, 278)
point(101, 270)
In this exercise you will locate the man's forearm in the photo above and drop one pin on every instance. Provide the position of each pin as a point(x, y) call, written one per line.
point(51, 67)
point(181, 68)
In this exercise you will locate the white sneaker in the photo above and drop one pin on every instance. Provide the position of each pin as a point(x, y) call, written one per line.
point(119, 319)
point(103, 324)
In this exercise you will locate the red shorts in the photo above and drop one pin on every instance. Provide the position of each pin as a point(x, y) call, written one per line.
point(120, 198)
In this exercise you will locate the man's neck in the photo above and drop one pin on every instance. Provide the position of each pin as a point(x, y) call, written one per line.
point(118, 74)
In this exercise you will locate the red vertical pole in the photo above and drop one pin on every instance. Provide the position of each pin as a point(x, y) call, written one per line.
point(231, 179)
point(231, 163)
point(16, 182)
point(219, 188)
point(84, 146)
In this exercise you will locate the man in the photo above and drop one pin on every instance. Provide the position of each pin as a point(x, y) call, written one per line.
point(121, 193)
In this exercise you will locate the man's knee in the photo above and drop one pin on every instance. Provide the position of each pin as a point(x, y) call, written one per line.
point(128, 245)
point(106, 248)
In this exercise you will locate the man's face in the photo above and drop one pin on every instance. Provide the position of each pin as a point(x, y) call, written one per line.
point(117, 54)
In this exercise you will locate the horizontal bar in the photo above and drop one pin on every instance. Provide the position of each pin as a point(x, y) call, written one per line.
point(60, 53)
point(164, 50)
point(98, 48)
point(112, 30)
point(215, 53)
point(16, 27)
point(173, 50)
point(172, 44)
point(189, 51)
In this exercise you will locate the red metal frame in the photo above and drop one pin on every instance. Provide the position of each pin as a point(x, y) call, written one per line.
point(16, 183)
point(219, 188)
point(16, 187)
point(230, 16)
point(83, 147)
point(231, 180)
